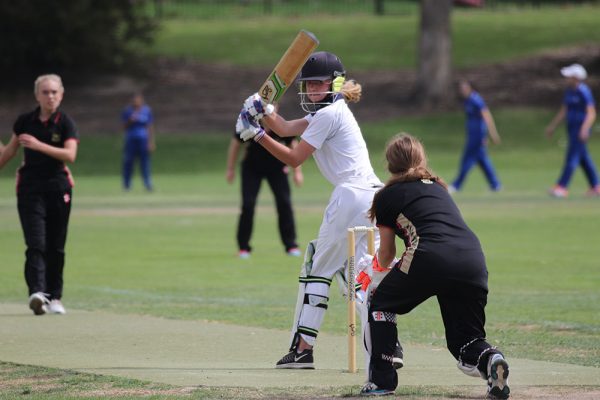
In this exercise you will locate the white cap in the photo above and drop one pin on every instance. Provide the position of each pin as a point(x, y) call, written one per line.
point(574, 71)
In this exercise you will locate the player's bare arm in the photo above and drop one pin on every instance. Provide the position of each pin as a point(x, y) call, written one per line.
point(66, 154)
point(284, 128)
point(232, 155)
point(489, 121)
point(590, 117)
point(387, 246)
point(292, 157)
point(9, 151)
point(560, 115)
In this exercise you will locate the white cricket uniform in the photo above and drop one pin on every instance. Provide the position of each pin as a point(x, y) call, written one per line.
point(342, 157)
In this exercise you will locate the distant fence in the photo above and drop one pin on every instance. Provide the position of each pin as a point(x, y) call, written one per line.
point(211, 9)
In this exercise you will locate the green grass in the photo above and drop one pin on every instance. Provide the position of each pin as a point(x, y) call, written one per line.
point(172, 253)
point(479, 37)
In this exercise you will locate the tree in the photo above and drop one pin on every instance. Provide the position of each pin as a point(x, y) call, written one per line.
point(434, 59)
point(85, 35)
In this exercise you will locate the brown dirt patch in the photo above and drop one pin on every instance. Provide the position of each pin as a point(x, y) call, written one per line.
point(191, 97)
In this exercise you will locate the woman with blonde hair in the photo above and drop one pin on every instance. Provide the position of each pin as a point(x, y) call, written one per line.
point(442, 258)
point(44, 191)
point(329, 132)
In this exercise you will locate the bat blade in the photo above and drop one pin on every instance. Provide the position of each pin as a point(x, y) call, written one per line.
point(288, 67)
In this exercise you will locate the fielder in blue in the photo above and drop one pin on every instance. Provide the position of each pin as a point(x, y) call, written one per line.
point(579, 109)
point(139, 140)
point(479, 123)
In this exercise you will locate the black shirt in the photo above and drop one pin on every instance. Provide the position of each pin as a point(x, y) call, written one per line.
point(40, 172)
point(259, 158)
point(439, 243)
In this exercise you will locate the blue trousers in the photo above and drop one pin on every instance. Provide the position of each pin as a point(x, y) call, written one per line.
point(479, 155)
point(577, 154)
point(136, 147)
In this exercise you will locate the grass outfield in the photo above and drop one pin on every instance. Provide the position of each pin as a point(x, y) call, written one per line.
point(172, 253)
point(479, 37)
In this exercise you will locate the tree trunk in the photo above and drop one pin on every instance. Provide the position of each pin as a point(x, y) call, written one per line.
point(434, 59)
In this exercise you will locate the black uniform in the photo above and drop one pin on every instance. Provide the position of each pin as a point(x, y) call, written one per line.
point(259, 164)
point(44, 193)
point(443, 258)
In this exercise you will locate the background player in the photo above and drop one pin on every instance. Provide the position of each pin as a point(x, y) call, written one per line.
point(478, 124)
point(259, 164)
point(329, 133)
point(579, 108)
point(44, 191)
point(442, 258)
point(139, 140)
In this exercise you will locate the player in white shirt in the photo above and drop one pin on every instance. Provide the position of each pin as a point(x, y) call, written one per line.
point(332, 136)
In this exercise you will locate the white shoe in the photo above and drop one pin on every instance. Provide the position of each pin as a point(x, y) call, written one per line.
point(38, 303)
point(56, 307)
point(452, 189)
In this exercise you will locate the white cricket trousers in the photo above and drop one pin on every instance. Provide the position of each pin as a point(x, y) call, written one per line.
point(348, 207)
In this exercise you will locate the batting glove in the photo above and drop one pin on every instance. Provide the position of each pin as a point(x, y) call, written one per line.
point(257, 108)
point(247, 128)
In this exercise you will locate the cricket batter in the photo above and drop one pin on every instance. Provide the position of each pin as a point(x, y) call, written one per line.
point(329, 132)
point(442, 258)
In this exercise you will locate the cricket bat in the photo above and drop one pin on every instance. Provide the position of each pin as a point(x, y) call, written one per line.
point(288, 67)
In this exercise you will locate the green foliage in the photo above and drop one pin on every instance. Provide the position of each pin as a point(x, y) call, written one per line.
point(53, 35)
point(479, 37)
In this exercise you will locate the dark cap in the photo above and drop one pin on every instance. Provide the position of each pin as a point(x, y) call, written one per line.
point(321, 66)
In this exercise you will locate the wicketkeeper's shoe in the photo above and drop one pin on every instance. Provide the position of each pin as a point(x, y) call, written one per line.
point(293, 360)
point(497, 377)
point(38, 303)
point(56, 307)
point(371, 389)
point(398, 359)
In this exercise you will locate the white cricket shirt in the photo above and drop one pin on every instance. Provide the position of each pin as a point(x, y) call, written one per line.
point(341, 152)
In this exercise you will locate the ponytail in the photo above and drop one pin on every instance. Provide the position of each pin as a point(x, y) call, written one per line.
point(352, 91)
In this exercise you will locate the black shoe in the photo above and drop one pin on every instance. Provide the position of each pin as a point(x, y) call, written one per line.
point(498, 378)
point(398, 360)
point(293, 360)
point(371, 389)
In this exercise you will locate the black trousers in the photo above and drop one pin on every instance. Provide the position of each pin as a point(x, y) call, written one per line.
point(463, 312)
point(280, 186)
point(44, 219)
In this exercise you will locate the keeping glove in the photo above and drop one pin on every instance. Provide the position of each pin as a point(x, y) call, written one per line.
point(257, 108)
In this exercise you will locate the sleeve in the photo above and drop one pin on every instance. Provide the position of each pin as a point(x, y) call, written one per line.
point(385, 213)
point(69, 130)
point(479, 102)
point(587, 96)
point(125, 114)
point(319, 128)
point(18, 126)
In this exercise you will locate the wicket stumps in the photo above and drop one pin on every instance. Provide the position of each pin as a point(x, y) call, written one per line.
point(351, 287)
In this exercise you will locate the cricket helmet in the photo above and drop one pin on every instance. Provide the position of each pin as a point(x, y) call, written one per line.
point(321, 66)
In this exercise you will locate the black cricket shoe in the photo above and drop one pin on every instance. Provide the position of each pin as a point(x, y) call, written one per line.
point(398, 358)
point(293, 360)
point(497, 377)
